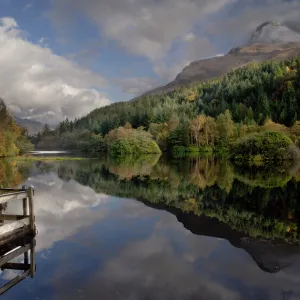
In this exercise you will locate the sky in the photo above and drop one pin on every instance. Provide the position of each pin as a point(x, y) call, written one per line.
point(64, 58)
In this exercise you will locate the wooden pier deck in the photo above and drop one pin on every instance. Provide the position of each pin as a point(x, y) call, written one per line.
point(17, 235)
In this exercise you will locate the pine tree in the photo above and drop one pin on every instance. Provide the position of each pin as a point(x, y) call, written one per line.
point(225, 127)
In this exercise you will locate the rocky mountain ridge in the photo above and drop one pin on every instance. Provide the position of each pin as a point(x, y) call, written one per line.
point(270, 41)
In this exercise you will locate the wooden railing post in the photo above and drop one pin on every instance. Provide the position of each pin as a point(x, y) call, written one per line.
point(25, 204)
point(31, 208)
point(1, 213)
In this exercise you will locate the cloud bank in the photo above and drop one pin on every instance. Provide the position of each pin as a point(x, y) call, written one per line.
point(37, 84)
point(172, 33)
point(160, 31)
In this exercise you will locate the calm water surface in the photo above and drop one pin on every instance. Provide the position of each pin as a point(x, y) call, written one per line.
point(149, 229)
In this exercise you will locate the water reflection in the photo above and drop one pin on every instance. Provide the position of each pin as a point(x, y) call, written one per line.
point(241, 243)
point(261, 203)
point(17, 263)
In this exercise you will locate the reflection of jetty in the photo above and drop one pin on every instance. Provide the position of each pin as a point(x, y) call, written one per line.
point(17, 232)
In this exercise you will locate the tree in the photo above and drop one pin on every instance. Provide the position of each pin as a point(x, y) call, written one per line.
point(127, 125)
point(210, 132)
point(298, 67)
point(46, 129)
point(196, 129)
point(160, 133)
point(289, 99)
point(180, 136)
point(24, 145)
point(250, 116)
point(225, 127)
point(9, 132)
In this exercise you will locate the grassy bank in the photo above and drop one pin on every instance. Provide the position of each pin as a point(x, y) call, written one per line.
point(48, 158)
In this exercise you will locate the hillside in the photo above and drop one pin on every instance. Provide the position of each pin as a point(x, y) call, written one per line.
point(237, 57)
point(269, 89)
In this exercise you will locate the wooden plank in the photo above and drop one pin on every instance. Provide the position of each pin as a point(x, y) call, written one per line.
point(13, 282)
point(17, 238)
point(12, 196)
point(9, 227)
point(12, 217)
point(8, 257)
point(16, 266)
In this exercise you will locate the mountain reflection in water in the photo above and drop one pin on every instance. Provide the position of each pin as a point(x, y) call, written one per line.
point(235, 235)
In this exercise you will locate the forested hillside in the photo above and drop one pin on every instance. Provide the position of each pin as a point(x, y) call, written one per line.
point(208, 114)
point(255, 92)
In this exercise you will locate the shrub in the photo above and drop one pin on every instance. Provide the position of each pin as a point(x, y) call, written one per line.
point(131, 141)
point(120, 147)
point(265, 146)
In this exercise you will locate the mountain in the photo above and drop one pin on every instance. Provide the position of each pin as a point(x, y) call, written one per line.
point(270, 41)
point(273, 33)
point(32, 126)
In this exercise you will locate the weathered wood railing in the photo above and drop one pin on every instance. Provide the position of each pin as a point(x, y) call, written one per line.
point(14, 223)
point(17, 232)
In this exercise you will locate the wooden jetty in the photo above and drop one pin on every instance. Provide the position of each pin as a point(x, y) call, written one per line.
point(17, 235)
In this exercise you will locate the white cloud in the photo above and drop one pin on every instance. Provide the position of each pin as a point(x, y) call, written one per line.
point(28, 6)
point(42, 42)
point(148, 28)
point(158, 30)
point(196, 49)
point(35, 81)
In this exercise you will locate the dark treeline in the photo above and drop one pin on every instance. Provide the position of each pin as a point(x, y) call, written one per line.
point(208, 115)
